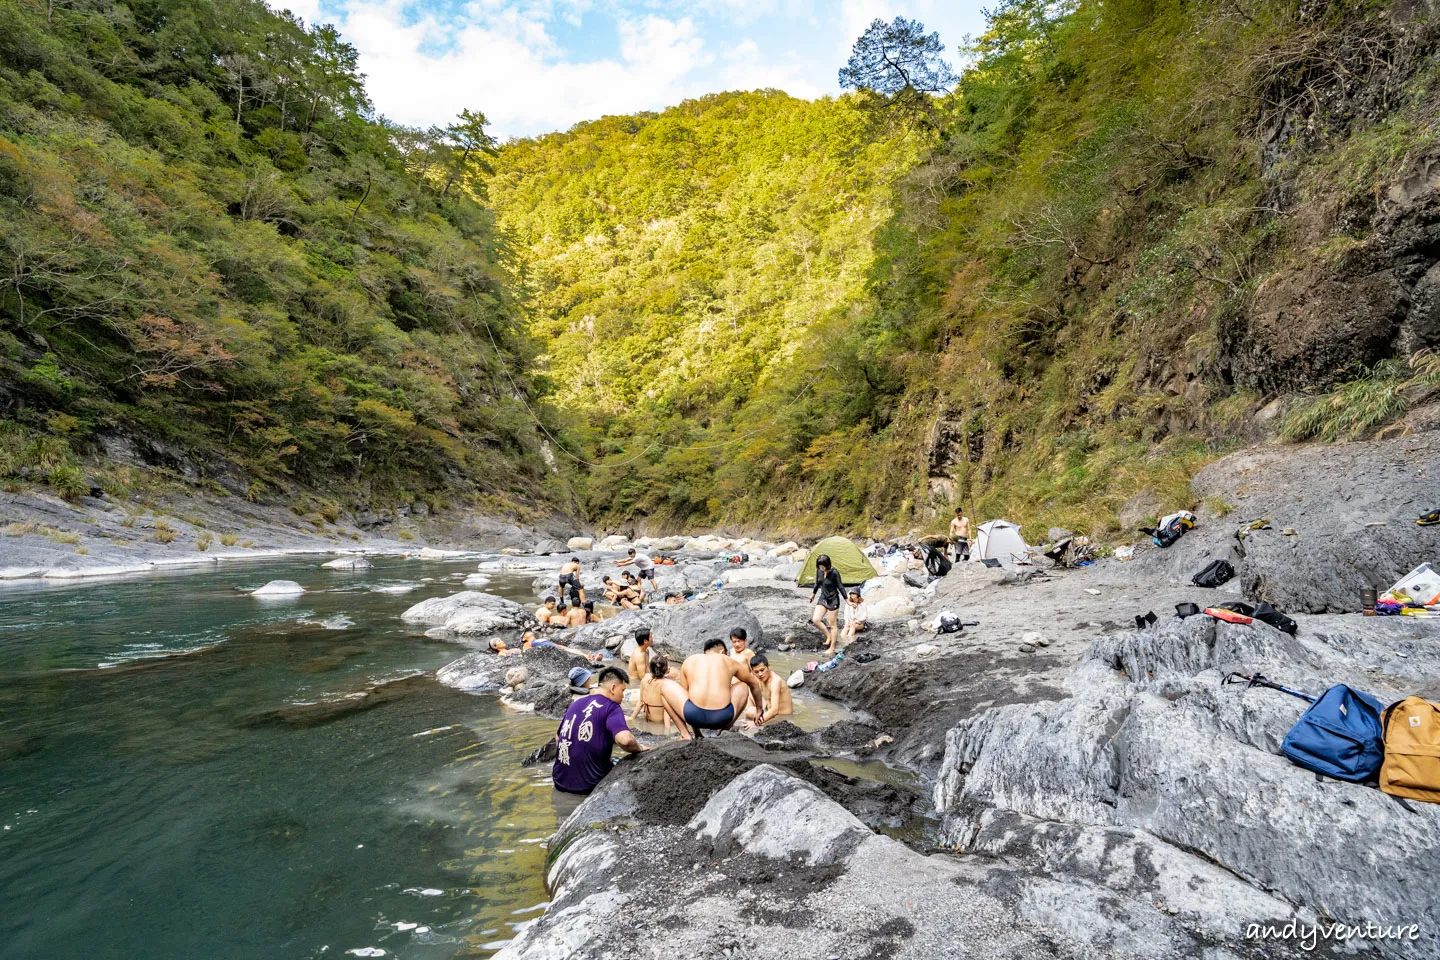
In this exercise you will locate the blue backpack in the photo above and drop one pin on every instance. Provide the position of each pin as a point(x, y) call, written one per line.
point(1340, 736)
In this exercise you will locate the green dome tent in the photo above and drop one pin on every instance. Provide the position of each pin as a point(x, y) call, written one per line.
point(853, 566)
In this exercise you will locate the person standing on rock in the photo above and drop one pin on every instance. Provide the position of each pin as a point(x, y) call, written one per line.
point(826, 597)
point(960, 535)
point(706, 696)
point(592, 727)
point(570, 577)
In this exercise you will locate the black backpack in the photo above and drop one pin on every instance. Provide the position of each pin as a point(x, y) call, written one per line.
point(1268, 614)
point(1215, 573)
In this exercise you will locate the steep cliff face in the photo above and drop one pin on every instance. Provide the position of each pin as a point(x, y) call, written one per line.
point(1361, 286)
point(1261, 226)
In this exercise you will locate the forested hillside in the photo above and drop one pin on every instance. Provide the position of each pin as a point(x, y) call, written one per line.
point(218, 261)
point(1062, 286)
point(1130, 236)
point(694, 277)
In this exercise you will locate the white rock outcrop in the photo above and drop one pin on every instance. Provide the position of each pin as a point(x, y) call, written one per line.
point(468, 614)
point(278, 588)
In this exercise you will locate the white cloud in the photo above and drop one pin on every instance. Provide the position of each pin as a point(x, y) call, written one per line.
point(746, 49)
point(502, 59)
point(425, 63)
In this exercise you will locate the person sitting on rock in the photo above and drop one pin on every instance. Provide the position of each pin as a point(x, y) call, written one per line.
point(706, 696)
point(856, 616)
point(651, 703)
point(826, 597)
point(778, 702)
point(593, 725)
point(673, 599)
point(635, 584)
point(570, 578)
point(546, 611)
point(640, 658)
point(620, 594)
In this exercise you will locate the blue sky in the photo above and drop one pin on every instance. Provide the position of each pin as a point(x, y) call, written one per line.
point(534, 66)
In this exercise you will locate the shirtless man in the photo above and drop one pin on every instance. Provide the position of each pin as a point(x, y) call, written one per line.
point(570, 577)
point(578, 615)
point(960, 534)
point(777, 694)
point(545, 611)
point(640, 659)
point(705, 696)
point(739, 647)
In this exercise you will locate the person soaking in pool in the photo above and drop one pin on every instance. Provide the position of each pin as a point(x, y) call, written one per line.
point(592, 727)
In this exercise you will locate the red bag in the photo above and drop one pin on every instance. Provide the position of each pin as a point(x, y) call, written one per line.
point(1229, 616)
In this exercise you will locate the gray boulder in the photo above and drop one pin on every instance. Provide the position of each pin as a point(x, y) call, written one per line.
point(347, 563)
point(613, 631)
point(699, 576)
point(547, 547)
point(545, 688)
point(469, 614)
point(688, 626)
point(1352, 507)
point(779, 852)
point(1153, 746)
point(788, 570)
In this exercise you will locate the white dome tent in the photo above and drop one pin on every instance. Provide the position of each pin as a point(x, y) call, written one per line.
point(1000, 540)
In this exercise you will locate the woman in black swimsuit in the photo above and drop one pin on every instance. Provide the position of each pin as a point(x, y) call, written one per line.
point(826, 597)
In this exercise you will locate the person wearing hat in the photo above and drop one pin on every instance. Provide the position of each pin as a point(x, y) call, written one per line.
point(592, 727)
point(581, 680)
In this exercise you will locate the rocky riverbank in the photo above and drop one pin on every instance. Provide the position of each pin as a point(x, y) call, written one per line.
point(1097, 790)
point(44, 536)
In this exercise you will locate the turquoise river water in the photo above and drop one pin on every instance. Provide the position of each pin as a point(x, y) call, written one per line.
point(144, 815)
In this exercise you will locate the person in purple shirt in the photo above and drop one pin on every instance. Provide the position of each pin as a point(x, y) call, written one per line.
point(593, 725)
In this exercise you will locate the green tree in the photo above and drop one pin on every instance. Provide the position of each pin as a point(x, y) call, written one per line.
point(475, 146)
point(903, 65)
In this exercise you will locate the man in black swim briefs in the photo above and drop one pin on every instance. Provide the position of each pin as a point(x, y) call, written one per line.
point(706, 696)
point(570, 577)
